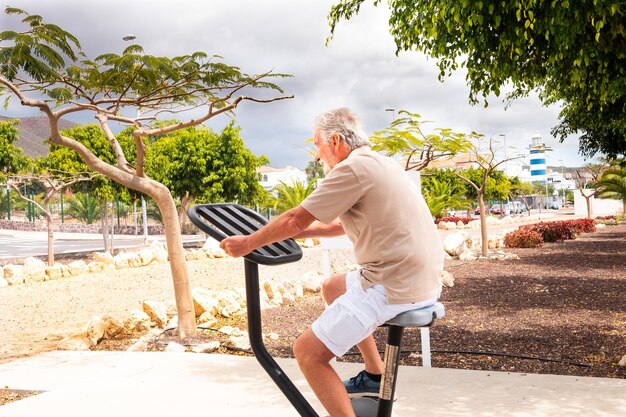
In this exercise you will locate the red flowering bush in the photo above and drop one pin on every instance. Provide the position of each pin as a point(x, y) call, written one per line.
point(454, 219)
point(553, 231)
point(523, 238)
point(583, 225)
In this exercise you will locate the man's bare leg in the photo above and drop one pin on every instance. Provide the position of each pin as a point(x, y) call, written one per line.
point(313, 358)
point(332, 288)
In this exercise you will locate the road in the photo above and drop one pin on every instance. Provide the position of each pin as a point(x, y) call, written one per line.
point(18, 244)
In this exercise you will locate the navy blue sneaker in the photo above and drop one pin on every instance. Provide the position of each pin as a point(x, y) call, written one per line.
point(361, 386)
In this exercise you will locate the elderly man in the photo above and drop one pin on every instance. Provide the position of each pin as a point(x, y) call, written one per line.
point(371, 199)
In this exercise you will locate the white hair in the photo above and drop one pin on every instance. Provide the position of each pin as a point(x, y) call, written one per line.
point(344, 123)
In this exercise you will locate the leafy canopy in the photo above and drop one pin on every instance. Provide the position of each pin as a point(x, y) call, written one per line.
point(208, 167)
point(12, 158)
point(573, 52)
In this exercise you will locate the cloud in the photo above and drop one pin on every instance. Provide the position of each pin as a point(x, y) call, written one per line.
point(358, 68)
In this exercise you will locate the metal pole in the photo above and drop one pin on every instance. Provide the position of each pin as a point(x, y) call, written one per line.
point(62, 210)
point(8, 202)
point(145, 220)
point(117, 205)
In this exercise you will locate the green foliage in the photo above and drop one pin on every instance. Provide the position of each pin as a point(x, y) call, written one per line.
point(12, 158)
point(314, 170)
point(207, 167)
point(63, 159)
point(290, 196)
point(82, 207)
point(443, 195)
point(573, 53)
point(612, 184)
point(405, 137)
point(497, 187)
point(519, 188)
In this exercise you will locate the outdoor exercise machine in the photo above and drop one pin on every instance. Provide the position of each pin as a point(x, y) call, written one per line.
point(223, 220)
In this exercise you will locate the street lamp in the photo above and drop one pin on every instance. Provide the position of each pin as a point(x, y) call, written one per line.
point(506, 163)
point(393, 114)
point(129, 37)
point(562, 182)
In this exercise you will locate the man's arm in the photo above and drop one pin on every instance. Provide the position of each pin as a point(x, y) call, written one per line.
point(319, 229)
point(288, 224)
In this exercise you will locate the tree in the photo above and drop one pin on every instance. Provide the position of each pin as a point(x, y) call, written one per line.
point(197, 164)
point(134, 89)
point(520, 190)
point(588, 177)
point(99, 189)
point(612, 184)
point(443, 195)
point(405, 137)
point(479, 180)
point(12, 158)
point(290, 196)
point(572, 53)
point(314, 170)
point(54, 183)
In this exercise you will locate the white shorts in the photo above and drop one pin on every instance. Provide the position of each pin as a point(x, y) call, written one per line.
point(356, 314)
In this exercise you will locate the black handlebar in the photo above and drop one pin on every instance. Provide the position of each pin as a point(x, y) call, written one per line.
point(225, 219)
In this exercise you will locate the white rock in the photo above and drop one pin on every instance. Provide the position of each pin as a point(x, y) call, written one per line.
point(298, 291)
point(622, 361)
point(137, 322)
point(510, 256)
point(104, 257)
point(3, 282)
point(443, 226)
point(206, 347)
point(447, 279)
point(207, 320)
point(468, 256)
point(96, 266)
point(75, 342)
point(78, 268)
point(308, 243)
point(34, 270)
point(159, 251)
point(141, 345)
point(454, 244)
point(312, 282)
point(145, 256)
point(212, 249)
point(229, 330)
point(204, 300)
point(272, 336)
point(240, 341)
point(228, 303)
point(14, 274)
point(157, 311)
point(173, 323)
point(174, 347)
point(600, 225)
point(100, 327)
point(54, 271)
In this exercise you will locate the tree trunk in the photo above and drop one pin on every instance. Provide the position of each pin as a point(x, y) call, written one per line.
point(105, 227)
point(484, 237)
point(184, 205)
point(178, 262)
point(50, 225)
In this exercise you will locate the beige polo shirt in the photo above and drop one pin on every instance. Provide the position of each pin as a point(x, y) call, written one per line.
point(386, 218)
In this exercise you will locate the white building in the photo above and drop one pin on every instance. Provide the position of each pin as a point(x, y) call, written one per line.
point(270, 177)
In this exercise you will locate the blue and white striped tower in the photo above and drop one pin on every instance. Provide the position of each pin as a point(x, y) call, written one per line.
point(538, 167)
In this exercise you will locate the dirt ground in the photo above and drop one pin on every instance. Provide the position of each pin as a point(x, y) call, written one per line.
point(559, 309)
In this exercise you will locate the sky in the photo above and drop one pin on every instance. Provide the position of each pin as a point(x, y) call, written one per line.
point(358, 69)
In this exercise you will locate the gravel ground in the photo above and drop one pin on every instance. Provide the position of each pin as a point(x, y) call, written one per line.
point(33, 317)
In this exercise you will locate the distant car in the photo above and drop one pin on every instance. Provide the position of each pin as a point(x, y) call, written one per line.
point(496, 209)
point(555, 205)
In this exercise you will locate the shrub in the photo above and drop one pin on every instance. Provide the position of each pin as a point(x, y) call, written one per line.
point(553, 231)
point(583, 225)
point(523, 238)
point(454, 219)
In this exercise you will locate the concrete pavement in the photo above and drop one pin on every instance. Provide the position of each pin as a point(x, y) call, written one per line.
point(158, 384)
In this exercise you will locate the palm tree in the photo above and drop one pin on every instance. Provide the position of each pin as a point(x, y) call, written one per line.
point(290, 196)
point(83, 207)
point(612, 184)
point(442, 195)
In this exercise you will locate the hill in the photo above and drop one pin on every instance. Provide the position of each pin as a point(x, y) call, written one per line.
point(33, 132)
